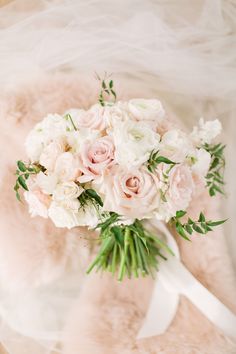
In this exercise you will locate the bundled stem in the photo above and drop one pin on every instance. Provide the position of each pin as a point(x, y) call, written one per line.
point(127, 250)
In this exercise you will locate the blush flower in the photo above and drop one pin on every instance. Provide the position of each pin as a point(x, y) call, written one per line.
point(181, 187)
point(96, 157)
point(133, 194)
point(66, 167)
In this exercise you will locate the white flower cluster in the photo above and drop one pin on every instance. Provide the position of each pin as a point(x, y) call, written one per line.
point(109, 149)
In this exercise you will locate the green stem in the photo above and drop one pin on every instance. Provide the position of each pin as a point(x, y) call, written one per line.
point(133, 257)
point(124, 254)
point(105, 247)
point(139, 259)
point(113, 265)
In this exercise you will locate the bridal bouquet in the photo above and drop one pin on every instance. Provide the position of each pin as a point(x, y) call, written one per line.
point(115, 165)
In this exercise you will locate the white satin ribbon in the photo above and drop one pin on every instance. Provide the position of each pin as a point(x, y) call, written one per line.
point(174, 279)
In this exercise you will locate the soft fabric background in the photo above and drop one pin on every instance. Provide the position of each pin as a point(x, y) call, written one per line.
point(183, 53)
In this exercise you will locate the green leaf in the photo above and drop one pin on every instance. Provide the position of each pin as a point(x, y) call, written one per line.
point(16, 187)
point(111, 84)
point(181, 231)
point(189, 229)
point(113, 92)
point(216, 223)
point(190, 221)
point(21, 181)
point(163, 159)
point(21, 166)
point(118, 234)
point(201, 217)
point(18, 196)
point(212, 192)
point(198, 229)
point(93, 194)
point(180, 213)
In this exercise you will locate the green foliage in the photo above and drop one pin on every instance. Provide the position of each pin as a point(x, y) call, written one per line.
point(128, 250)
point(107, 89)
point(155, 159)
point(215, 176)
point(201, 226)
point(90, 196)
point(23, 172)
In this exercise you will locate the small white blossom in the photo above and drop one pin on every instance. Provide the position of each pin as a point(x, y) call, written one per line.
point(206, 132)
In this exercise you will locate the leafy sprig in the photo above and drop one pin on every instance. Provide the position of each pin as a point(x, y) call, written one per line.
point(23, 172)
point(129, 250)
point(155, 159)
point(107, 89)
point(201, 226)
point(215, 176)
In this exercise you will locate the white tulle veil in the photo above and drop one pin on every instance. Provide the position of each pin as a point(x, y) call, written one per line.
point(183, 49)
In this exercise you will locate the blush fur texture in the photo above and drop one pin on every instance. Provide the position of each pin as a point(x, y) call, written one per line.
point(107, 315)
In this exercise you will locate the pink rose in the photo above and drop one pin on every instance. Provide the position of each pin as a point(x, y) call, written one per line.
point(93, 118)
point(96, 157)
point(180, 189)
point(131, 193)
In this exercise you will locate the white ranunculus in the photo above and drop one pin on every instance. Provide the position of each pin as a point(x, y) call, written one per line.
point(76, 139)
point(66, 191)
point(146, 109)
point(133, 142)
point(206, 132)
point(71, 214)
point(47, 183)
point(55, 125)
point(88, 216)
point(202, 162)
point(64, 215)
point(51, 127)
point(175, 145)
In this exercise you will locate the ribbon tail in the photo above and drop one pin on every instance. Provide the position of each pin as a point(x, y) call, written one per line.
point(162, 309)
point(175, 275)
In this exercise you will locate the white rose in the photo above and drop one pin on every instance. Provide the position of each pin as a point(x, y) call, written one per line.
point(205, 132)
point(37, 203)
point(47, 183)
point(175, 145)
point(67, 190)
point(202, 162)
point(50, 154)
point(134, 142)
point(146, 109)
point(66, 167)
